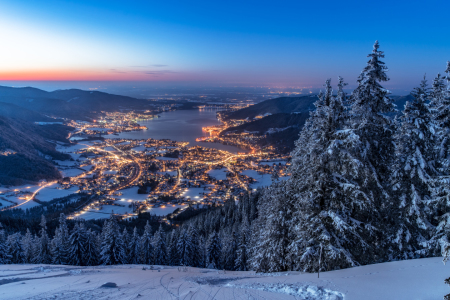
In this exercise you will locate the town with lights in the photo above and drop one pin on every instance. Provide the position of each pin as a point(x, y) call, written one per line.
point(125, 177)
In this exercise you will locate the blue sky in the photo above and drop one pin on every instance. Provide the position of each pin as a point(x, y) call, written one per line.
point(286, 43)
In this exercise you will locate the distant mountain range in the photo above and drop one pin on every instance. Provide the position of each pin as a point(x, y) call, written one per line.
point(71, 104)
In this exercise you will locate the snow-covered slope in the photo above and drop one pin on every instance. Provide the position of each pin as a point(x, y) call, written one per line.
point(413, 279)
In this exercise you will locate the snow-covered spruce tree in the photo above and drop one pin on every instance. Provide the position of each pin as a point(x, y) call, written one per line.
point(42, 251)
point(14, 248)
point(5, 257)
point(440, 204)
point(159, 247)
point(146, 245)
point(197, 259)
point(126, 241)
point(91, 249)
point(184, 248)
point(112, 246)
point(59, 242)
point(134, 250)
point(77, 246)
point(27, 246)
point(242, 253)
point(214, 251)
point(174, 258)
point(229, 250)
point(413, 175)
point(272, 232)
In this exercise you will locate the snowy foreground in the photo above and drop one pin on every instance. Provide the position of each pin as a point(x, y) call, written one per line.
point(413, 279)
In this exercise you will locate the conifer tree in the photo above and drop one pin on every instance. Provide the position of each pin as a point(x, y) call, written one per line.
point(242, 253)
point(91, 249)
point(214, 251)
point(272, 233)
point(5, 257)
point(440, 205)
point(413, 175)
point(146, 245)
point(134, 249)
point(14, 248)
point(112, 246)
point(229, 250)
point(77, 246)
point(42, 253)
point(197, 259)
point(126, 241)
point(59, 244)
point(27, 246)
point(159, 247)
point(184, 248)
point(174, 258)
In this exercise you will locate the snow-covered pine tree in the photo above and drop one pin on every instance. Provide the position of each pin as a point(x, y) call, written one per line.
point(441, 193)
point(27, 246)
point(242, 254)
point(91, 251)
point(134, 249)
point(272, 233)
point(42, 253)
point(77, 246)
point(159, 247)
point(214, 251)
point(146, 245)
point(184, 248)
point(14, 248)
point(5, 257)
point(112, 246)
point(174, 258)
point(59, 242)
point(126, 241)
point(197, 259)
point(229, 250)
point(413, 175)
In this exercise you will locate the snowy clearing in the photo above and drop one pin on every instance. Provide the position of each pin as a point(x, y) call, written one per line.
point(413, 279)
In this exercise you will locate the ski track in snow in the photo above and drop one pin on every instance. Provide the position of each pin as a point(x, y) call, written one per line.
point(413, 279)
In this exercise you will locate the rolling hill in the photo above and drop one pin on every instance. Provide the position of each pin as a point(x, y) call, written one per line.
point(24, 148)
point(274, 106)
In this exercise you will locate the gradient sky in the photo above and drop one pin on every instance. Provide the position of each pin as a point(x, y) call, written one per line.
point(263, 43)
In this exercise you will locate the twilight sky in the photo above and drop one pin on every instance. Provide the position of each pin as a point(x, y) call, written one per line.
point(263, 43)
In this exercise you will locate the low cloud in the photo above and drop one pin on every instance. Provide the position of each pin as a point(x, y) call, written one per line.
point(117, 71)
point(153, 65)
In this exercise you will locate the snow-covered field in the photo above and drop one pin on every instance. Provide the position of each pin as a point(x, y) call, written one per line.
point(219, 174)
point(413, 279)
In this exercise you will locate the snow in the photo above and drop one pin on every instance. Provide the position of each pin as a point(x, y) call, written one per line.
point(51, 192)
point(110, 172)
point(139, 148)
point(71, 172)
point(194, 193)
point(166, 158)
point(164, 211)
point(219, 174)
point(262, 180)
point(131, 194)
point(412, 279)
point(121, 210)
point(66, 163)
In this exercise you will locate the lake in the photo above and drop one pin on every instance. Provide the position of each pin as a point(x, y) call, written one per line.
point(180, 125)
